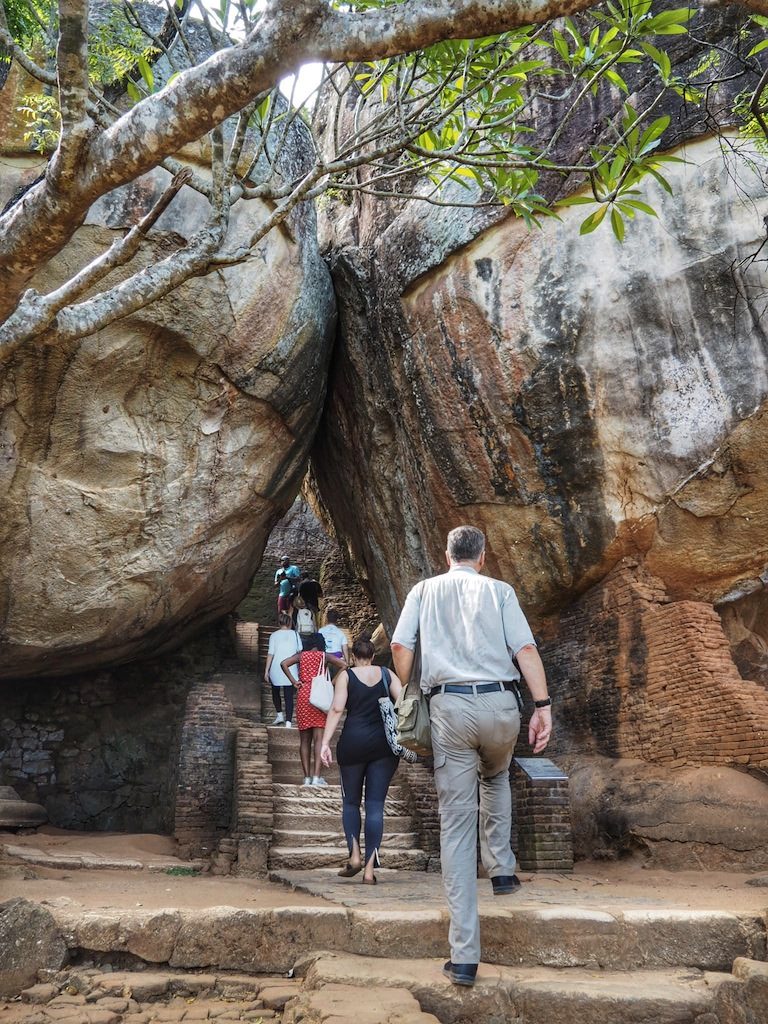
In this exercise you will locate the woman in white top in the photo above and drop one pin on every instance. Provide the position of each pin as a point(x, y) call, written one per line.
point(283, 644)
point(335, 640)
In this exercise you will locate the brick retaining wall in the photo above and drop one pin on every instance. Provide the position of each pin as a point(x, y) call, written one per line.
point(634, 674)
point(205, 777)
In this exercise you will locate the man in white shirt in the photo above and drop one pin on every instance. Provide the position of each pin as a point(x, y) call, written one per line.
point(469, 628)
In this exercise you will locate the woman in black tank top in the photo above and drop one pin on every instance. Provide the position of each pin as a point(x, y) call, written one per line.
point(364, 756)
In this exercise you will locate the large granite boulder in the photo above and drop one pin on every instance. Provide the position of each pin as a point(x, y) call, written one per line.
point(18, 813)
point(691, 818)
point(30, 941)
point(142, 468)
point(578, 399)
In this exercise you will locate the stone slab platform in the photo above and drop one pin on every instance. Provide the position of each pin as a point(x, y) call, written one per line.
point(504, 995)
point(95, 861)
point(254, 940)
point(608, 917)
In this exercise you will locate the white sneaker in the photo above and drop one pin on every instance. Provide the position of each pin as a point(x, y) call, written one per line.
point(318, 781)
point(279, 718)
point(289, 725)
point(307, 781)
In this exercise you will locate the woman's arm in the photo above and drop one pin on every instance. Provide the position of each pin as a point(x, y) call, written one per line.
point(334, 714)
point(395, 686)
point(345, 652)
point(336, 662)
point(285, 665)
point(270, 659)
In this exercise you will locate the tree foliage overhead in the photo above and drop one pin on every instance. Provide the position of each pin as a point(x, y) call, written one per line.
point(461, 102)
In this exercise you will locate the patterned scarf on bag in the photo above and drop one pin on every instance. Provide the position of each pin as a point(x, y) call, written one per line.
point(389, 718)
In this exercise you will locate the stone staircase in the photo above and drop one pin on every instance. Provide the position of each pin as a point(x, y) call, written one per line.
point(545, 962)
point(307, 819)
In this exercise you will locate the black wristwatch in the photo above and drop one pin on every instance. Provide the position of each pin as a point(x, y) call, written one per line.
point(547, 702)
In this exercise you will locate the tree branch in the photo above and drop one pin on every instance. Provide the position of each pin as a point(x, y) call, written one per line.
point(140, 290)
point(412, 25)
point(289, 33)
point(72, 63)
point(35, 313)
point(72, 71)
point(17, 54)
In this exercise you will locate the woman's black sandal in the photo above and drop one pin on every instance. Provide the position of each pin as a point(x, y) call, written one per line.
point(349, 872)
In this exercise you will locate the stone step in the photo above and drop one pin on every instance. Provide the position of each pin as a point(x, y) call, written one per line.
point(288, 772)
point(537, 995)
point(304, 858)
point(295, 775)
point(327, 800)
point(292, 838)
point(289, 791)
point(329, 822)
point(288, 757)
point(638, 937)
point(287, 740)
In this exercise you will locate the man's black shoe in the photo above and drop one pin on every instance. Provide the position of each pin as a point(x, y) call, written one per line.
point(504, 884)
point(460, 974)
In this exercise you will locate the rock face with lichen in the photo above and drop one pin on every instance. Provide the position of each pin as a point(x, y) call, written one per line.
point(142, 468)
point(578, 400)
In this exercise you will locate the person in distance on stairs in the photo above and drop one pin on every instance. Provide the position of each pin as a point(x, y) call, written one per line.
point(335, 640)
point(311, 720)
point(470, 627)
point(363, 752)
point(287, 581)
point(283, 643)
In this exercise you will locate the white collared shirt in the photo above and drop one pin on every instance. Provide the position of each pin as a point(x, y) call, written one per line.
point(468, 627)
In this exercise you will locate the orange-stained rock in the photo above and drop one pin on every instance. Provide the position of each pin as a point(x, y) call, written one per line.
point(578, 399)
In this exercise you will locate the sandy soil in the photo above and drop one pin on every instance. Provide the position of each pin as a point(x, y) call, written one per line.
point(592, 883)
point(121, 888)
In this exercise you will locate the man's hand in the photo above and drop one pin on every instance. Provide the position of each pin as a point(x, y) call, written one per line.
point(540, 729)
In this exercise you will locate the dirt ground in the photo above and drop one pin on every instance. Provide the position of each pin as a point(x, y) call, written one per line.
point(101, 889)
point(592, 883)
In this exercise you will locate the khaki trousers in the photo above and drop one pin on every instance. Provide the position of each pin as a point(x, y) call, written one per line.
point(473, 737)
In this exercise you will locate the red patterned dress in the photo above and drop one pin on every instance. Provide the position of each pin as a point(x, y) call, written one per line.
point(307, 715)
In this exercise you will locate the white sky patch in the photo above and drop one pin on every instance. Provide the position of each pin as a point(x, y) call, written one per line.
point(306, 83)
point(307, 78)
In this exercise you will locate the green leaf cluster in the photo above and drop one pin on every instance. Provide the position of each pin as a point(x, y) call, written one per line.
point(117, 49)
point(614, 182)
point(479, 129)
point(43, 122)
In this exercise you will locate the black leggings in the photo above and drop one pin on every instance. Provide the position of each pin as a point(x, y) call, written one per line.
point(277, 700)
point(377, 776)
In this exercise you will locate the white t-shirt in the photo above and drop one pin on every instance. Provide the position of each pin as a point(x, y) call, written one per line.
point(335, 638)
point(283, 643)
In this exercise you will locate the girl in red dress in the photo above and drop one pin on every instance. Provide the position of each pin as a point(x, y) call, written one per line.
point(311, 720)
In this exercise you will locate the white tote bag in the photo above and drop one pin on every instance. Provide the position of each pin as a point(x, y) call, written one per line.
point(321, 689)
